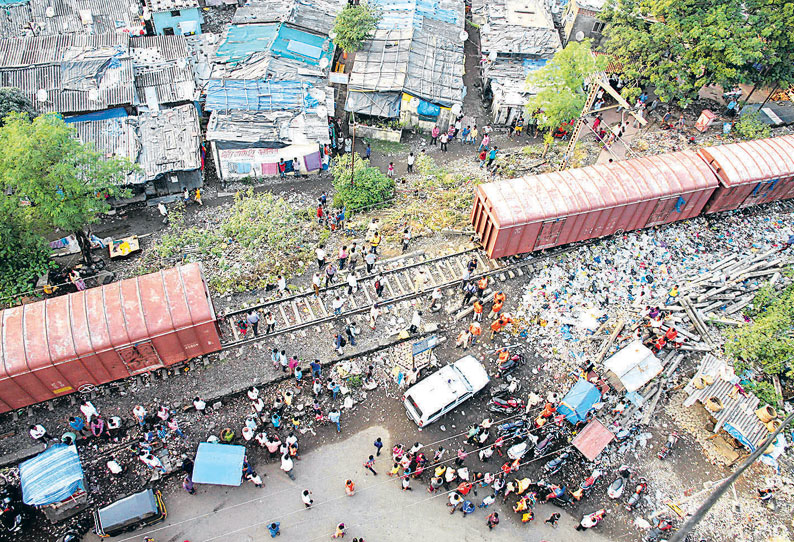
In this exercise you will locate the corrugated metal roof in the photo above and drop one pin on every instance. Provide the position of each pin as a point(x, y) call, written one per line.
point(570, 192)
point(414, 13)
point(162, 69)
point(74, 87)
point(261, 95)
point(30, 51)
point(148, 49)
point(738, 411)
point(267, 127)
point(114, 137)
point(170, 140)
point(87, 17)
point(315, 15)
point(513, 28)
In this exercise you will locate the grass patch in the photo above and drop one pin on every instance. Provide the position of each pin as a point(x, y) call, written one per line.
point(386, 147)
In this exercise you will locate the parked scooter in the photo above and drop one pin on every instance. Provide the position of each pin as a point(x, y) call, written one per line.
point(555, 465)
point(510, 387)
point(510, 365)
point(587, 486)
point(615, 490)
point(10, 518)
point(639, 489)
point(672, 440)
point(662, 526)
point(591, 520)
point(506, 405)
point(511, 426)
point(553, 493)
point(544, 445)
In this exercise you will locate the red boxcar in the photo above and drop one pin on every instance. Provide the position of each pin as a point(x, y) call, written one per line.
point(54, 347)
point(542, 211)
point(751, 172)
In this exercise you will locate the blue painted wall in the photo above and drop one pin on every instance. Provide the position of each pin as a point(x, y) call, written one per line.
point(164, 19)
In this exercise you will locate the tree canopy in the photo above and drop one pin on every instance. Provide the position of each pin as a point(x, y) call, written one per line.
point(680, 46)
point(560, 86)
point(353, 25)
point(48, 180)
point(13, 101)
point(369, 186)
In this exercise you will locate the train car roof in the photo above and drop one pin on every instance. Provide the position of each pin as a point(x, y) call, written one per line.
point(752, 161)
point(534, 198)
point(71, 326)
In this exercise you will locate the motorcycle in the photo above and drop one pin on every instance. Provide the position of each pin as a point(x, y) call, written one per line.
point(510, 427)
point(10, 519)
point(510, 387)
point(662, 526)
point(615, 490)
point(669, 445)
point(518, 451)
point(634, 500)
point(510, 365)
point(555, 465)
point(587, 486)
point(591, 520)
point(543, 446)
point(552, 493)
point(506, 405)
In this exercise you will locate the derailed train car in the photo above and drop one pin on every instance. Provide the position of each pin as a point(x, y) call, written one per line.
point(542, 211)
point(55, 347)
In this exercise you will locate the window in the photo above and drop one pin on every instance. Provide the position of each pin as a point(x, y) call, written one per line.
point(168, 31)
point(598, 27)
point(175, 13)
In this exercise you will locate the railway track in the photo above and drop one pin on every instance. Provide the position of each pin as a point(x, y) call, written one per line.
point(299, 312)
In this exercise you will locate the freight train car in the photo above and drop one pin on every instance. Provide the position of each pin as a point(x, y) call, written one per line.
point(542, 211)
point(64, 344)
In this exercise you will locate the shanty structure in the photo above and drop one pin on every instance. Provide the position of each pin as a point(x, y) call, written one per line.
point(578, 401)
point(82, 17)
point(715, 386)
point(592, 440)
point(312, 15)
point(631, 367)
point(163, 71)
point(219, 464)
point(269, 99)
point(70, 73)
point(53, 482)
point(517, 37)
point(175, 17)
point(412, 67)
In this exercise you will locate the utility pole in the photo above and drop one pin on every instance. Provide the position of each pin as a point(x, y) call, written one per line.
point(701, 512)
point(353, 157)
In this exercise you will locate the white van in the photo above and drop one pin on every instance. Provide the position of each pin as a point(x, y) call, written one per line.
point(428, 400)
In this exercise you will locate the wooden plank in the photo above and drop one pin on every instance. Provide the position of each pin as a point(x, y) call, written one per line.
point(612, 336)
point(295, 310)
point(308, 302)
point(284, 315)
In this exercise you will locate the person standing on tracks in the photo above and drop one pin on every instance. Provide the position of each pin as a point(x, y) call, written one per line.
point(317, 280)
point(374, 242)
point(337, 305)
point(352, 259)
point(352, 283)
point(469, 290)
point(380, 283)
point(416, 322)
point(281, 282)
point(253, 320)
point(435, 300)
point(283, 360)
point(475, 329)
point(321, 255)
point(351, 333)
point(370, 260)
point(89, 411)
point(270, 322)
point(342, 257)
point(374, 312)
point(339, 344)
point(421, 280)
point(330, 274)
point(482, 285)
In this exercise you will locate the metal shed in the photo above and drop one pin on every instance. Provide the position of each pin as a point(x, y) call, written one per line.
point(58, 346)
point(542, 211)
point(751, 172)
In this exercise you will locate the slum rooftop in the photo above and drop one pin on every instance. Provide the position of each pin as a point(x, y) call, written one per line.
point(163, 71)
point(516, 28)
point(417, 49)
point(316, 15)
point(52, 17)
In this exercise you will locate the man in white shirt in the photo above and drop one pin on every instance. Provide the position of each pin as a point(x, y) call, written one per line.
point(320, 253)
point(38, 432)
point(200, 406)
point(89, 411)
point(416, 322)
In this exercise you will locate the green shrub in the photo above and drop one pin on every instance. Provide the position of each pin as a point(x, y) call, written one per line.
point(750, 126)
point(369, 186)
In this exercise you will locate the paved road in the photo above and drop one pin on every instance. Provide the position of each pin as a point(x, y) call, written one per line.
point(380, 511)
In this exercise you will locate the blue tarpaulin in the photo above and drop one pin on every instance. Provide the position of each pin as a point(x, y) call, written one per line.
point(107, 114)
point(259, 95)
point(219, 464)
point(52, 476)
point(578, 401)
point(427, 109)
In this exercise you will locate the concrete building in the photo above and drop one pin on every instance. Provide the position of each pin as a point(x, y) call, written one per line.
point(175, 17)
point(581, 21)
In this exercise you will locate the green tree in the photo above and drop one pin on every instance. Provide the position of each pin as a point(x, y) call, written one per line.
point(50, 180)
point(24, 256)
point(560, 86)
point(369, 185)
point(13, 101)
point(353, 25)
point(680, 46)
point(750, 126)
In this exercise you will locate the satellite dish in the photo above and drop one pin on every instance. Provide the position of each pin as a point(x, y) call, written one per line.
point(456, 109)
point(181, 63)
point(486, 29)
point(332, 34)
point(49, 12)
point(324, 62)
point(321, 112)
point(579, 36)
point(463, 35)
point(492, 56)
point(41, 95)
point(93, 95)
